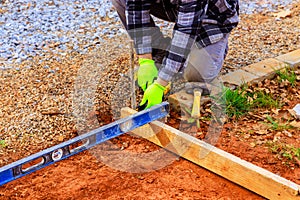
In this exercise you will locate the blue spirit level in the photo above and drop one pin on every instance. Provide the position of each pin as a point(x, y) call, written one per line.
point(64, 150)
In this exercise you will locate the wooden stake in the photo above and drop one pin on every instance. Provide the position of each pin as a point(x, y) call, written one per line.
point(133, 97)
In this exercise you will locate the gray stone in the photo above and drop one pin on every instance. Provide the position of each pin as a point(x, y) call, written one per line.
point(297, 110)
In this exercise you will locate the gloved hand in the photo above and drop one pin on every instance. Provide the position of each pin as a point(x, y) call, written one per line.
point(152, 96)
point(146, 73)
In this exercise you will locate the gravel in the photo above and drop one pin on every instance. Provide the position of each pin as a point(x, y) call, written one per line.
point(29, 28)
point(54, 55)
point(261, 36)
point(259, 6)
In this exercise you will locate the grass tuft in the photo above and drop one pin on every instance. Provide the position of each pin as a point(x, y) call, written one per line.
point(263, 100)
point(287, 74)
point(3, 143)
point(276, 125)
point(240, 101)
point(285, 151)
point(237, 103)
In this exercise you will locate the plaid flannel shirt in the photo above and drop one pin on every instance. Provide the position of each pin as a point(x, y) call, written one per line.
point(202, 21)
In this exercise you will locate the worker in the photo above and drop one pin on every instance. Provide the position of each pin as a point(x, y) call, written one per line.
point(198, 45)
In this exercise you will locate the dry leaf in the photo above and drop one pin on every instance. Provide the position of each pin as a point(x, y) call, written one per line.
point(250, 99)
point(295, 124)
point(293, 113)
point(257, 116)
point(275, 111)
point(283, 14)
point(198, 134)
point(287, 133)
point(262, 132)
point(247, 136)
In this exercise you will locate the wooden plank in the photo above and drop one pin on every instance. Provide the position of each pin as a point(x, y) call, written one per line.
point(239, 171)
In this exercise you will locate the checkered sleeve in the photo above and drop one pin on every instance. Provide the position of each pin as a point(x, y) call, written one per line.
point(138, 22)
point(190, 13)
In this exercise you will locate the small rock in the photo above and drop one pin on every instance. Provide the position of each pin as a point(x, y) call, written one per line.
point(283, 14)
point(297, 110)
point(61, 138)
point(125, 144)
point(151, 180)
point(252, 144)
point(287, 133)
point(140, 177)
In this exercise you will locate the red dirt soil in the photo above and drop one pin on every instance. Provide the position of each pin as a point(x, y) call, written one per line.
point(84, 177)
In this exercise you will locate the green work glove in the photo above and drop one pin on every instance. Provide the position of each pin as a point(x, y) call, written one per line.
point(153, 96)
point(146, 73)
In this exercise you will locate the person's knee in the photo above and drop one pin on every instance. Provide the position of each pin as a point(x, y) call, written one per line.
point(205, 64)
point(201, 67)
point(205, 74)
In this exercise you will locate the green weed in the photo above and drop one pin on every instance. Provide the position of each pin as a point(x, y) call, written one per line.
point(291, 152)
point(287, 74)
point(288, 155)
point(263, 100)
point(237, 103)
point(240, 101)
point(274, 149)
point(3, 143)
point(275, 125)
point(297, 152)
point(285, 151)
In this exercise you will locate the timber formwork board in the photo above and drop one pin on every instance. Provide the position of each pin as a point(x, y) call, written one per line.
point(241, 172)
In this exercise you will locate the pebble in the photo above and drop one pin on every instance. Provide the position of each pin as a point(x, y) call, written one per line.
point(297, 110)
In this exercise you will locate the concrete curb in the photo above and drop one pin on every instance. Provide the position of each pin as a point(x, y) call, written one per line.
point(260, 71)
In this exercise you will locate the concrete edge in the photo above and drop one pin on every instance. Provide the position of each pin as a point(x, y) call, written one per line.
point(265, 69)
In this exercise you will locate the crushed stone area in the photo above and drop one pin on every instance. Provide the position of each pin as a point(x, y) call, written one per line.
point(264, 6)
point(35, 28)
point(43, 106)
point(262, 36)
